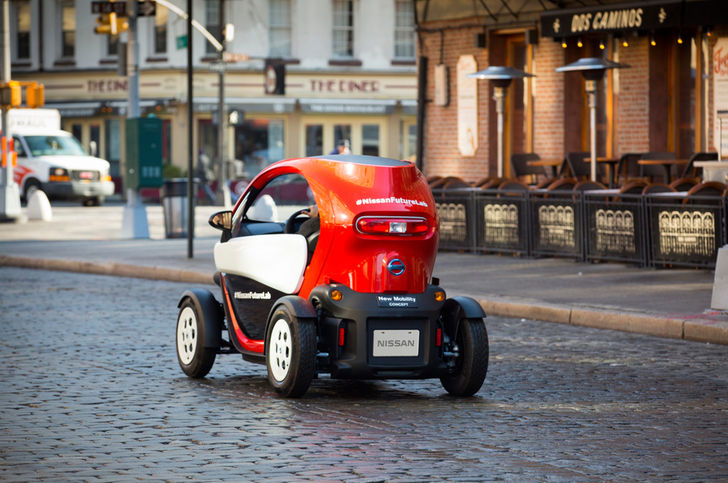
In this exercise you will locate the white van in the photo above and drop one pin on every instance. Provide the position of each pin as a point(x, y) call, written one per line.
point(54, 161)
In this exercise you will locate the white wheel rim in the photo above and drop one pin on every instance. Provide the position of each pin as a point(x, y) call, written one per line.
point(280, 347)
point(187, 335)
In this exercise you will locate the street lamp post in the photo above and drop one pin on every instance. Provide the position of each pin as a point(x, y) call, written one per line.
point(9, 190)
point(501, 78)
point(592, 68)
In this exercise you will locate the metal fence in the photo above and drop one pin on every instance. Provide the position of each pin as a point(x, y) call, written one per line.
point(659, 230)
point(456, 209)
point(502, 222)
point(685, 231)
point(557, 223)
point(615, 227)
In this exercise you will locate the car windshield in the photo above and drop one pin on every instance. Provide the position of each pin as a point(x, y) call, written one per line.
point(54, 146)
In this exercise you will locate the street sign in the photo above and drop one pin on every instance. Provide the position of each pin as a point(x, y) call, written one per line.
point(146, 8)
point(181, 42)
point(217, 66)
point(234, 57)
point(99, 7)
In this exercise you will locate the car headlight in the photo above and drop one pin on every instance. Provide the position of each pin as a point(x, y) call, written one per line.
point(58, 174)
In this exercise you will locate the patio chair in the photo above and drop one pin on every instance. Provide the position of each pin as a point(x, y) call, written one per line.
point(633, 187)
point(657, 188)
point(589, 186)
point(578, 168)
point(489, 183)
point(627, 168)
point(710, 189)
point(691, 170)
point(684, 183)
point(433, 180)
point(520, 167)
point(454, 183)
point(512, 187)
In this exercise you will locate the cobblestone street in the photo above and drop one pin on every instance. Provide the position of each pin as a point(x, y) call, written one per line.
point(92, 391)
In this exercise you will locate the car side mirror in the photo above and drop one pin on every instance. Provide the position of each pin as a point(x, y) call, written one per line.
point(222, 220)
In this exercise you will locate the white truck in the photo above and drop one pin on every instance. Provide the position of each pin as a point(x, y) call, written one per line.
point(52, 160)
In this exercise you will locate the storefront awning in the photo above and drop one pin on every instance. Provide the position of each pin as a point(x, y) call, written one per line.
point(92, 108)
point(628, 17)
point(248, 104)
point(347, 106)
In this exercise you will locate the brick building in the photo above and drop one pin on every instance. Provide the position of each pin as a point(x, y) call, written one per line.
point(668, 100)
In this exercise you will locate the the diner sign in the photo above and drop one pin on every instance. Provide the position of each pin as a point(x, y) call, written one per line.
point(467, 97)
point(637, 16)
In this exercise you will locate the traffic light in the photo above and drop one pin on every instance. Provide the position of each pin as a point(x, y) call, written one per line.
point(11, 94)
point(35, 95)
point(275, 77)
point(111, 24)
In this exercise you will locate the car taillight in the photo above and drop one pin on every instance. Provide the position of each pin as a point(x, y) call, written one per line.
point(385, 225)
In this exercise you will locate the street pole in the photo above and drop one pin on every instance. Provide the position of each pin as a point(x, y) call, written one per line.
point(499, 96)
point(591, 90)
point(190, 133)
point(134, 223)
point(9, 191)
point(223, 192)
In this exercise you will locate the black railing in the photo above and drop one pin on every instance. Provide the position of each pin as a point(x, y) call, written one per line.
point(658, 230)
point(615, 227)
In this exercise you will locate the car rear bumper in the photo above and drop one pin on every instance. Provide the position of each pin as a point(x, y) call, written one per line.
point(380, 336)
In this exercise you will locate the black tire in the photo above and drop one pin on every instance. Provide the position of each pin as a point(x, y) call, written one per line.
point(194, 358)
point(471, 366)
point(290, 353)
point(92, 201)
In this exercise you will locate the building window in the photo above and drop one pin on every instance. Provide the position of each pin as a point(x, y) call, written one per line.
point(314, 140)
point(404, 30)
point(342, 132)
point(212, 23)
point(160, 30)
point(68, 29)
point(279, 34)
point(370, 139)
point(22, 34)
point(343, 28)
point(258, 143)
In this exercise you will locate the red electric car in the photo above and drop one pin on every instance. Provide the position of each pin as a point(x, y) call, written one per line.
point(349, 292)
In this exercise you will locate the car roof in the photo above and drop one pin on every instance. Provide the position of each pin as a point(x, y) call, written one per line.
point(362, 159)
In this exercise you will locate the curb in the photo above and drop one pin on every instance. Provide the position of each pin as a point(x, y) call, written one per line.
point(108, 268)
point(711, 328)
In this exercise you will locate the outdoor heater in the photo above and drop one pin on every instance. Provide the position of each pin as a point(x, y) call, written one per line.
point(501, 77)
point(592, 68)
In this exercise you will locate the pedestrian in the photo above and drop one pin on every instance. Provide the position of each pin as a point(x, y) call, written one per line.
point(205, 174)
point(342, 147)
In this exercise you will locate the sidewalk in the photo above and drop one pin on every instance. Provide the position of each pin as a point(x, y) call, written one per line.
point(669, 303)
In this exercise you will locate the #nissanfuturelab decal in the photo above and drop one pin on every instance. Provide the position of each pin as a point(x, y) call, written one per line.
point(252, 295)
point(392, 200)
point(399, 301)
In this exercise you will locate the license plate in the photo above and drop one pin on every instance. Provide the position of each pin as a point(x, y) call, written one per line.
point(396, 343)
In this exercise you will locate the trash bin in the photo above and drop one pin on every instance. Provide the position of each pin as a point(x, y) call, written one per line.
point(174, 206)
